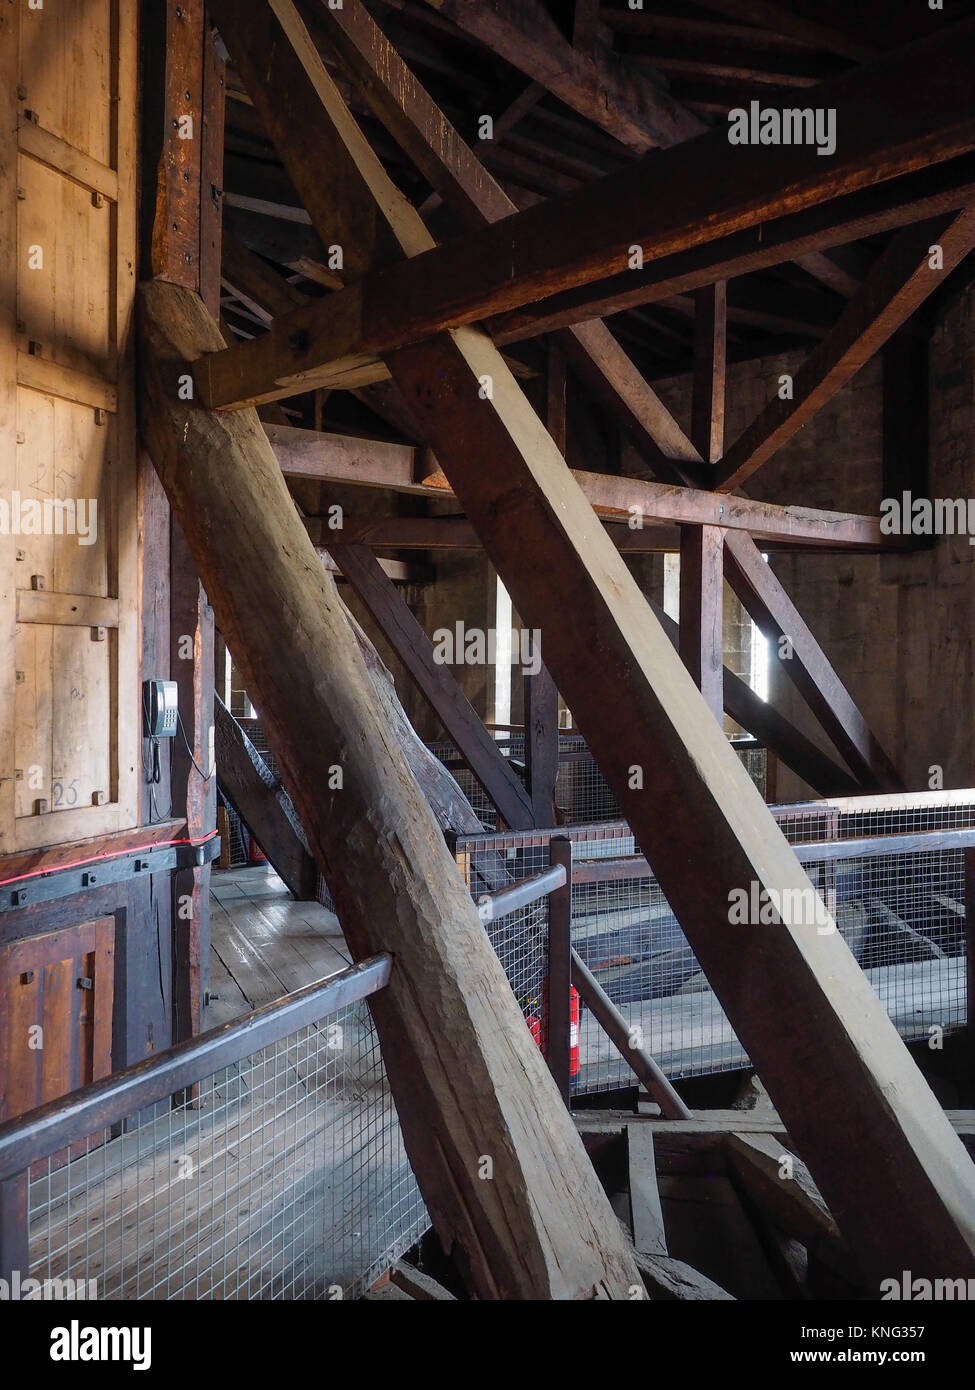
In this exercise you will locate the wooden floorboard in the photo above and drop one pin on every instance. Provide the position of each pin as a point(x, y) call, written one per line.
point(264, 943)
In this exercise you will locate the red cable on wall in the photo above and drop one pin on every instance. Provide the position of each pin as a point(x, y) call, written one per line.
point(95, 858)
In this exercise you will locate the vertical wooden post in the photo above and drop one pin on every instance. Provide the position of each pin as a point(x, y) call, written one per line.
point(555, 384)
point(542, 744)
point(558, 1023)
point(701, 547)
point(184, 139)
point(701, 597)
point(710, 360)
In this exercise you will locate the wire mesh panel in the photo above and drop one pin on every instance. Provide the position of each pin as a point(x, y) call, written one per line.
point(283, 1177)
point(901, 913)
point(903, 917)
point(582, 794)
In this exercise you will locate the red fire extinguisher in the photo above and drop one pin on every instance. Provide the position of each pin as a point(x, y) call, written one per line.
point(541, 1038)
point(257, 855)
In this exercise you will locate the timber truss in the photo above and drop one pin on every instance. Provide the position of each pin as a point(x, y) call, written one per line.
point(452, 271)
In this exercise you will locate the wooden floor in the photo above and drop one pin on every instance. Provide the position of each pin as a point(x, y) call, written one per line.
point(264, 944)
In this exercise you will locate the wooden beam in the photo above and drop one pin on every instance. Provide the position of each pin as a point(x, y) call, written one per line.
point(541, 744)
point(763, 721)
point(781, 1185)
point(597, 84)
point(701, 547)
point(840, 1056)
point(435, 682)
point(277, 83)
point(466, 1076)
point(701, 611)
point(663, 203)
point(710, 362)
point(898, 283)
point(805, 663)
point(871, 211)
point(184, 126)
point(782, 19)
point(555, 396)
point(649, 1237)
point(376, 463)
point(263, 805)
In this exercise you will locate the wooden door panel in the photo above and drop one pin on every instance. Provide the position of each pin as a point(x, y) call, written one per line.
point(56, 995)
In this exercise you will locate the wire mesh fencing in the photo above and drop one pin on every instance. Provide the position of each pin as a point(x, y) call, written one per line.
point(582, 794)
point(281, 1176)
point(901, 909)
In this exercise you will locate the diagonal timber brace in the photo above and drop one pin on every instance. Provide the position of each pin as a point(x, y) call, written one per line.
point(818, 1035)
point(436, 683)
point(469, 1082)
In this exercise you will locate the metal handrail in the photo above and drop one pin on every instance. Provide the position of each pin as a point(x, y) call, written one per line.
point(520, 894)
point(72, 1118)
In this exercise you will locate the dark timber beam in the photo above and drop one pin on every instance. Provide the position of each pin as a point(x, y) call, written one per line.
point(436, 683)
point(466, 1076)
point(898, 283)
point(782, 19)
point(763, 721)
point(542, 744)
point(665, 203)
point(183, 232)
point(839, 1074)
point(597, 83)
point(871, 211)
point(262, 804)
point(805, 663)
point(840, 1056)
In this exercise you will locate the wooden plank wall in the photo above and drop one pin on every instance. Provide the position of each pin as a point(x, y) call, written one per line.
point(69, 695)
point(69, 114)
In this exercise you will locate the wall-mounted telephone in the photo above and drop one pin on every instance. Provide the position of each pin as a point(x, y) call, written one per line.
point(159, 709)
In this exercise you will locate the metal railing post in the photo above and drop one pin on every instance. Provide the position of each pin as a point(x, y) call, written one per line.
point(559, 968)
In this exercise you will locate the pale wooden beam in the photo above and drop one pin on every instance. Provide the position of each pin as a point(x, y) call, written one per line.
point(470, 1085)
point(701, 548)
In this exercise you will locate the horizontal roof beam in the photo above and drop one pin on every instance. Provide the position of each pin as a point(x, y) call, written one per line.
point(668, 201)
point(375, 463)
